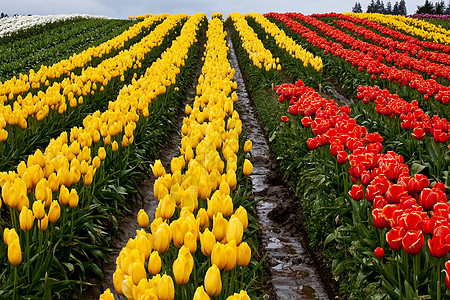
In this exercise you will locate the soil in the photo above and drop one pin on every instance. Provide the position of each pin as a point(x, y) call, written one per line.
point(293, 270)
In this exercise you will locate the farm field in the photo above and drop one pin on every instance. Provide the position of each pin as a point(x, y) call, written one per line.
point(248, 156)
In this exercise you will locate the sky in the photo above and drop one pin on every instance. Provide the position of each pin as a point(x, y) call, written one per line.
point(121, 9)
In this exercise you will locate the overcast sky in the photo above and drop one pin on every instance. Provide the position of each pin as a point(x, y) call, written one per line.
point(124, 8)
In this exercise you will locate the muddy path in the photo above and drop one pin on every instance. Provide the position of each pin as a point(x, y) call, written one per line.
point(128, 224)
point(293, 271)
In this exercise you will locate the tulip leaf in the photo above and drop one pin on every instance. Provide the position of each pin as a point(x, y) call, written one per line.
point(416, 168)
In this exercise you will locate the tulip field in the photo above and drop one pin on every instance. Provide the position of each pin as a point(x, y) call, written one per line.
point(354, 108)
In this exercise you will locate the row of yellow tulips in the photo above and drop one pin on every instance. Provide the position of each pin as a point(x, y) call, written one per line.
point(72, 89)
point(286, 43)
point(49, 175)
point(23, 83)
point(195, 199)
point(260, 56)
point(410, 25)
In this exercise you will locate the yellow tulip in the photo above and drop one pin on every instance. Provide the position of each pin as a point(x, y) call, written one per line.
point(127, 287)
point(158, 169)
point(26, 219)
point(43, 223)
point(107, 295)
point(118, 278)
point(15, 253)
point(101, 153)
point(88, 177)
point(39, 192)
point(181, 270)
point(224, 188)
point(248, 167)
point(73, 198)
point(142, 218)
point(161, 239)
point(219, 255)
point(213, 282)
point(9, 235)
point(248, 146)
point(54, 212)
point(167, 207)
point(190, 241)
point(219, 227)
point(64, 195)
point(244, 254)
point(200, 294)
point(231, 179)
point(166, 289)
point(143, 244)
point(234, 230)
point(138, 272)
point(227, 206)
point(231, 253)
point(114, 146)
point(202, 218)
point(207, 242)
point(154, 263)
point(38, 209)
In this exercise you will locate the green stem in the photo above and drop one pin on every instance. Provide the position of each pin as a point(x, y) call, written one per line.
point(416, 271)
point(15, 283)
point(398, 277)
point(27, 253)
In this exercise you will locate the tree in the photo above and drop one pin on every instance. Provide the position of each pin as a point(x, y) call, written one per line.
point(357, 8)
point(402, 8)
point(447, 10)
point(388, 9)
point(427, 8)
point(371, 7)
point(439, 7)
point(395, 10)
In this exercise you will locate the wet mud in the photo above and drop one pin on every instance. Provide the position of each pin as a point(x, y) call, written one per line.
point(293, 271)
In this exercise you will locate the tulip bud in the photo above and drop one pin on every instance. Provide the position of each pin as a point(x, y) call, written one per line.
point(38, 209)
point(114, 146)
point(200, 294)
point(154, 263)
point(73, 198)
point(219, 227)
point(231, 179)
point(243, 255)
point(231, 253)
point(158, 169)
point(248, 146)
point(234, 230)
point(118, 278)
point(241, 214)
point(15, 253)
point(219, 255)
point(161, 239)
point(202, 218)
point(167, 207)
point(9, 236)
point(190, 241)
point(181, 270)
point(43, 224)
point(54, 212)
point(40, 189)
point(248, 167)
point(227, 206)
point(101, 153)
point(107, 295)
point(127, 287)
point(138, 272)
point(224, 188)
point(166, 289)
point(207, 241)
point(26, 219)
point(142, 218)
point(213, 282)
point(63, 195)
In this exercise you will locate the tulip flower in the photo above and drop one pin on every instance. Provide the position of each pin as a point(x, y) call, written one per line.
point(231, 254)
point(182, 269)
point(161, 239)
point(207, 241)
point(219, 255)
point(248, 167)
point(107, 295)
point(284, 119)
point(248, 146)
point(166, 289)
point(243, 254)
point(9, 235)
point(234, 230)
point(167, 207)
point(43, 223)
point(138, 272)
point(357, 192)
point(394, 238)
point(54, 212)
point(38, 209)
point(200, 294)
point(413, 242)
point(220, 225)
point(213, 282)
point(379, 252)
point(73, 198)
point(26, 219)
point(15, 253)
point(154, 263)
point(142, 218)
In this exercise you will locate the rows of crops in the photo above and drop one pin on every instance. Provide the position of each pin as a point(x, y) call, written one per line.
point(82, 121)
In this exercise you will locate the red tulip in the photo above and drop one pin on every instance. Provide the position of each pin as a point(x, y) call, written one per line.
point(365, 178)
point(438, 247)
point(307, 121)
point(342, 157)
point(394, 193)
point(394, 238)
point(379, 201)
point(447, 274)
point(439, 186)
point(284, 119)
point(313, 143)
point(428, 198)
point(418, 133)
point(379, 252)
point(413, 242)
point(335, 147)
point(413, 221)
point(357, 192)
point(372, 191)
point(379, 221)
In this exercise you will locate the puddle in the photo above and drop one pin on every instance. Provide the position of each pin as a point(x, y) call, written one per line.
point(292, 271)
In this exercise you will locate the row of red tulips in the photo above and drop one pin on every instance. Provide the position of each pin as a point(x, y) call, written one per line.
point(400, 60)
point(414, 213)
point(409, 46)
point(366, 62)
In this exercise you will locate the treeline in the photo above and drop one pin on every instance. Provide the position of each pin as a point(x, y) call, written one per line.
point(399, 8)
